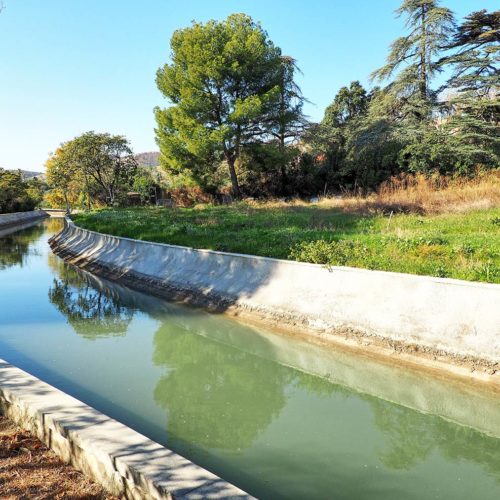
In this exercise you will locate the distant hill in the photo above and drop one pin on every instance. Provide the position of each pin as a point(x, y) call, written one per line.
point(149, 159)
point(28, 174)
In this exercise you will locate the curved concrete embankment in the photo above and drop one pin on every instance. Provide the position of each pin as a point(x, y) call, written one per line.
point(454, 320)
point(466, 404)
point(20, 218)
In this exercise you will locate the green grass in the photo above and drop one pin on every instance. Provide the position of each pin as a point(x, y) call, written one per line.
point(458, 245)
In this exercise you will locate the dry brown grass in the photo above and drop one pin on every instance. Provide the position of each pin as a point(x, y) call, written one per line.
point(28, 470)
point(413, 194)
point(438, 194)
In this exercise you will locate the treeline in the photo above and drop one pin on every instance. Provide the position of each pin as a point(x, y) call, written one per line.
point(236, 119)
point(236, 126)
point(18, 194)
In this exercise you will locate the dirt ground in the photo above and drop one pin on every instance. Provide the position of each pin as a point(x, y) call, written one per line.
point(29, 470)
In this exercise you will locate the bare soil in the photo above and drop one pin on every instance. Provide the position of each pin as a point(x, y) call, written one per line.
point(29, 470)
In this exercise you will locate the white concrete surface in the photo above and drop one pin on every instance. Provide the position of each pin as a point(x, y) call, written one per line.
point(457, 318)
point(122, 460)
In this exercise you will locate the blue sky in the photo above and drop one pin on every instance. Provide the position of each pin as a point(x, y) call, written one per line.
point(68, 66)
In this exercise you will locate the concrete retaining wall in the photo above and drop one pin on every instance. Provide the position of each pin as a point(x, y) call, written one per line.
point(427, 316)
point(122, 460)
point(20, 218)
point(471, 405)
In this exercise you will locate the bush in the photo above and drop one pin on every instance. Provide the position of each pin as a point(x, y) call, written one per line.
point(330, 253)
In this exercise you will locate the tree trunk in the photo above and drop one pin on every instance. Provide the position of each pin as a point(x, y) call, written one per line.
point(284, 178)
point(68, 209)
point(234, 179)
point(87, 192)
point(423, 56)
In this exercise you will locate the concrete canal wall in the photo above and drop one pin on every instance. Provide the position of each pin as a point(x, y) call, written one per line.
point(471, 405)
point(456, 321)
point(125, 462)
point(20, 218)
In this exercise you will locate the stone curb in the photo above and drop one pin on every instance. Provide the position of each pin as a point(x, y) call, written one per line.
point(122, 460)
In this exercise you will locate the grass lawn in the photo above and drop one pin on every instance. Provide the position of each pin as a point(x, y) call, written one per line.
point(455, 245)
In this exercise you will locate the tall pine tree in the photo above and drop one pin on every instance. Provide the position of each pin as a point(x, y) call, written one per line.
point(415, 55)
point(473, 91)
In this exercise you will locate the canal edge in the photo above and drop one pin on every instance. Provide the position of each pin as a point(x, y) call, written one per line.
point(122, 460)
point(446, 324)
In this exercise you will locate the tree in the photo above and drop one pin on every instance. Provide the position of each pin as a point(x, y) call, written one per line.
point(349, 103)
point(107, 161)
point(476, 46)
point(473, 104)
point(64, 177)
point(146, 183)
point(101, 166)
point(430, 27)
point(332, 139)
point(14, 195)
point(35, 189)
point(286, 120)
point(225, 83)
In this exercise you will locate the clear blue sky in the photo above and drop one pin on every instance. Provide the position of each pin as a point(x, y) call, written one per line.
point(68, 66)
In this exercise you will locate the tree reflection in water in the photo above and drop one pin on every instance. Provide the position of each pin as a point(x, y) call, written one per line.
point(16, 247)
point(412, 436)
point(218, 395)
point(92, 311)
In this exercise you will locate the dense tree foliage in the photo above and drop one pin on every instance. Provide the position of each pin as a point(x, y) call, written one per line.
point(473, 103)
point(65, 179)
point(236, 110)
point(235, 120)
point(92, 168)
point(429, 26)
point(410, 125)
point(17, 194)
point(230, 89)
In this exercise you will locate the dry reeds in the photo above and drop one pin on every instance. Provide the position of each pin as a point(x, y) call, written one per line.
point(412, 194)
point(438, 194)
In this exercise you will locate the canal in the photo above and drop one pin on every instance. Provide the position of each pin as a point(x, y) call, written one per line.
point(277, 416)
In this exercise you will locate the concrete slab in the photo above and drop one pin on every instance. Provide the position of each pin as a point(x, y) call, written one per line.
point(122, 460)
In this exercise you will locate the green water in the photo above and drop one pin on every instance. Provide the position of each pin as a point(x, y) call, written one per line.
point(279, 417)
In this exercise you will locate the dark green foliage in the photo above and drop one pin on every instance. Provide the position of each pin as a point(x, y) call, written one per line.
point(146, 183)
point(408, 126)
point(350, 103)
point(476, 52)
point(429, 26)
point(230, 88)
point(472, 109)
point(267, 170)
point(17, 195)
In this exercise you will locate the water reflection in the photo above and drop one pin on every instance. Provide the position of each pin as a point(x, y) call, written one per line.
point(411, 437)
point(228, 390)
point(91, 311)
point(216, 396)
point(15, 248)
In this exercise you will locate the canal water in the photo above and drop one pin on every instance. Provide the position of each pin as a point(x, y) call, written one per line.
point(277, 416)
